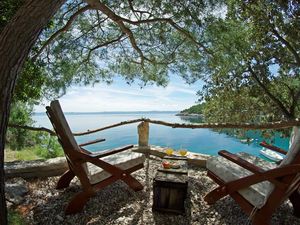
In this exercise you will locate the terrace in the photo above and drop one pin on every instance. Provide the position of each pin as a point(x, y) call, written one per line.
point(117, 204)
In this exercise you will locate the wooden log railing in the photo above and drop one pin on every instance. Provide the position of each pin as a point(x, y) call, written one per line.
point(143, 132)
point(54, 167)
point(143, 127)
point(248, 126)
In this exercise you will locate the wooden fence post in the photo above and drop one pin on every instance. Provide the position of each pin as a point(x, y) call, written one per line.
point(143, 131)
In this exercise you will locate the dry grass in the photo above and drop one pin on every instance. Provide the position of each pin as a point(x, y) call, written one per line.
point(26, 154)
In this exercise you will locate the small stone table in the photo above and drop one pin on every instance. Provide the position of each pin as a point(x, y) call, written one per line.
point(170, 187)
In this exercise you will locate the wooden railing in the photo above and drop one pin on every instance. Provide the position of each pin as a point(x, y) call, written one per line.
point(143, 127)
point(247, 126)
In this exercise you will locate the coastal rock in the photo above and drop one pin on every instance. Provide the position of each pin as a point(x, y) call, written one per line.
point(15, 190)
point(189, 114)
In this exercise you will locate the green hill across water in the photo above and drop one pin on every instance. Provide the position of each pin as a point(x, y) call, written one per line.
point(193, 110)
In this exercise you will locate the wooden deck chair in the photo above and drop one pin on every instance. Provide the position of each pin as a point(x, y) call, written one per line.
point(258, 186)
point(94, 170)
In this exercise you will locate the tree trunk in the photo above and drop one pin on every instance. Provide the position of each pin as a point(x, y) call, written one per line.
point(16, 40)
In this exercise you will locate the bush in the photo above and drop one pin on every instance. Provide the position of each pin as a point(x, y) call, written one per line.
point(20, 115)
point(14, 218)
point(30, 145)
point(50, 150)
point(45, 147)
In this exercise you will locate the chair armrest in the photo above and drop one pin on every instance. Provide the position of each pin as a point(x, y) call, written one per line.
point(247, 181)
point(112, 169)
point(85, 151)
point(241, 162)
point(92, 142)
point(272, 147)
point(110, 151)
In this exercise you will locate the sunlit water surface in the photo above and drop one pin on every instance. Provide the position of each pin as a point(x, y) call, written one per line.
point(205, 141)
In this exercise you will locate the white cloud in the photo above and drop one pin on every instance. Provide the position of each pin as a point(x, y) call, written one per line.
point(121, 97)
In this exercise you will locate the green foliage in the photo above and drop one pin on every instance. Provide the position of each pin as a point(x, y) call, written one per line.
point(34, 144)
point(33, 80)
point(44, 147)
point(96, 49)
point(7, 9)
point(20, 115)
point(48, 147)
point(245, 51)
point(14, 218)
point(33, 83)
point(253, 74)
point(233, 107)
point(30, 84)
point(195, 109)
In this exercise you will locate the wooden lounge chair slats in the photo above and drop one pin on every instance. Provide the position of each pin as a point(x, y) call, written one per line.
point(110, 151)
point(258, 186)
point(123, 160)
point(94, 170)
point(229, 171)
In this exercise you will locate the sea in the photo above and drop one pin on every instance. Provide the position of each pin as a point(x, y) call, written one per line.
point(206, 141)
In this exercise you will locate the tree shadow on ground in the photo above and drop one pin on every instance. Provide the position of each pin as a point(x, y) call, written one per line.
point(100, 209)
point(227, 211)
point(118, 204)
point(139, 217)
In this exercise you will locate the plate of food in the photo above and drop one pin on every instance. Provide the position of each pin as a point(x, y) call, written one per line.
point(169, 165)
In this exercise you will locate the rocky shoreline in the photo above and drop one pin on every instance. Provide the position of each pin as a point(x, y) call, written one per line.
point(117, 204)
point(189, 115)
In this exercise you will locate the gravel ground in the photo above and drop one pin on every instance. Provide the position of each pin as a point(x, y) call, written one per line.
point(117, 204)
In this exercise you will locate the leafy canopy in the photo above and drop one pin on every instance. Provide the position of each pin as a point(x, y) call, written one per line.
point(245, 51)
point(139, 40)
point(254, 72)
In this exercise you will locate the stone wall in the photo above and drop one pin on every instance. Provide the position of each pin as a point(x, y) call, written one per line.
point(195, 159)
point(36, 168)
point(57, 166)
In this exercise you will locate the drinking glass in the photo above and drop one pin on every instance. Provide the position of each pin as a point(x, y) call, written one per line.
point(169, 151)
point(182, 152)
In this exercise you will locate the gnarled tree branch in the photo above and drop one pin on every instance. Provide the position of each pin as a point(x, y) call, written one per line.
point(271, 96)
point(174, 25)
point(51, 132)
point(288, 45)
point(63, 29)
point(70, 10)
point(137, 11)
point(102, 45)
point(119, 21)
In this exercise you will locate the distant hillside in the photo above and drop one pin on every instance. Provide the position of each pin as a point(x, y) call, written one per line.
point(195, 109)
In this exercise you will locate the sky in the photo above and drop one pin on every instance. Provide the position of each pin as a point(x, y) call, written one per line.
point(120, 96)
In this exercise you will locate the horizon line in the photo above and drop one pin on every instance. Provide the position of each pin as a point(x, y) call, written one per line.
point(138, 111)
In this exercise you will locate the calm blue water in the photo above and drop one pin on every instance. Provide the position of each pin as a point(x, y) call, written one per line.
point(204, 141)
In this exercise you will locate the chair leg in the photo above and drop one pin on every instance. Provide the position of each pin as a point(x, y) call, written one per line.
point(261, 219)
point(260, 222)
point(295, 200)
point(77, 202)
point(65, 179)
point(132, 182)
